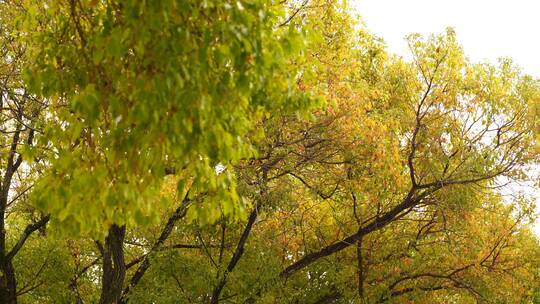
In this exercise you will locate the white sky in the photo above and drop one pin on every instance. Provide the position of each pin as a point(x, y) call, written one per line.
point(486, 29)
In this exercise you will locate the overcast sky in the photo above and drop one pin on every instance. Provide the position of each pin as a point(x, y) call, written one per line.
point(486, 29)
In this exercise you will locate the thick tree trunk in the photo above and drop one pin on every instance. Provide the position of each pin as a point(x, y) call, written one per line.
point(114, 267)
point(8, 284)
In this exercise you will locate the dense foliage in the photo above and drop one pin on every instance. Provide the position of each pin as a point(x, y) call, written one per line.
point(257, 152)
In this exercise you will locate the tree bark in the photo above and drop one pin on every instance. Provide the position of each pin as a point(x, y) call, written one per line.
point(114, 267)
point(8, 283)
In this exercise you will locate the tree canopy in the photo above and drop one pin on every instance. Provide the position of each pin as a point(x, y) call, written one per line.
point(258, 152)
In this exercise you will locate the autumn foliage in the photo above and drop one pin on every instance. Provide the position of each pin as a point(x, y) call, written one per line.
point(258, 152)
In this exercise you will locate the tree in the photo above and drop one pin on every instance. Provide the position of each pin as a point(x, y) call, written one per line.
point(181, 159)
point(22, 161)
point(133, 101)
point(465, 125)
